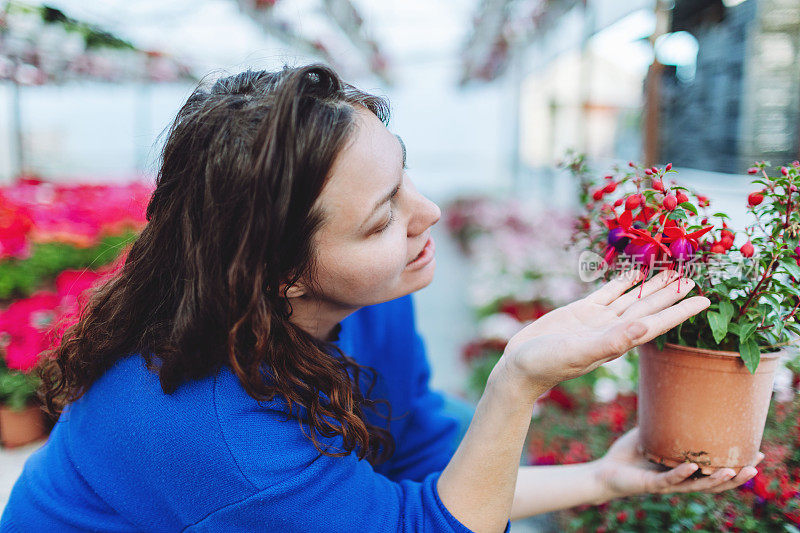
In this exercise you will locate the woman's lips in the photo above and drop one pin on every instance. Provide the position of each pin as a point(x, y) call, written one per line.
point(424, 256)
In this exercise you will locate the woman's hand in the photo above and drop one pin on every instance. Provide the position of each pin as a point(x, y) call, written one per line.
point(575, 339)
point(624, 471)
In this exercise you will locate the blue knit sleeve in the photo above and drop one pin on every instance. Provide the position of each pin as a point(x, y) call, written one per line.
point(430, 436)
point(339, 495)
point(295, 488)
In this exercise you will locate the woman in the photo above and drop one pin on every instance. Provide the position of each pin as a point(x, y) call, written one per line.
point(215, 383)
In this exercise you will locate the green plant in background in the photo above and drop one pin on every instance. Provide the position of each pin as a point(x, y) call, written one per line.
point(16, 388)
point(20, 277)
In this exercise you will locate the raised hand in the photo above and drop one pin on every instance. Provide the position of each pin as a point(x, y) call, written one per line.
point(577, 338)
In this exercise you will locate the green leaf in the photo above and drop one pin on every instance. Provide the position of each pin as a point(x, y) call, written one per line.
point(745, 330)
point(689, 207)
point(661, 340)
point(726, 310)
point(791, 266)
point(750, 353)
point(721, 215)
point(678, 214)
point(719, 325)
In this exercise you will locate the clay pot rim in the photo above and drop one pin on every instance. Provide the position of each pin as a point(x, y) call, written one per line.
point(720, 354)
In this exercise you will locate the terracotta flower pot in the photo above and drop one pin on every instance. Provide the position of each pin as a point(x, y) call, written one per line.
point(702, 406)
point(18, 428)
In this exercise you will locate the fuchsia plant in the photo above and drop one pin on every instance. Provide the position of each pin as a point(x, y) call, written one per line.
point(753, 287)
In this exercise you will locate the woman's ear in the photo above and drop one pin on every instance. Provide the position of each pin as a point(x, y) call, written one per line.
point(296, 290)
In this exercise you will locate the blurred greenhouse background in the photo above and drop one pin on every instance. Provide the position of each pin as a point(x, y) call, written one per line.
point(489, 96)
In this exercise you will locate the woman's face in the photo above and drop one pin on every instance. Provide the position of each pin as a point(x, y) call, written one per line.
point(376, 222)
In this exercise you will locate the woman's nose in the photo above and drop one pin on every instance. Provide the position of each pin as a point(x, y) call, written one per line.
point(425, 215)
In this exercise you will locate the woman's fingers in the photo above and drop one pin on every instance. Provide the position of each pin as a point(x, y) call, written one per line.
point(615, 288)
point(670, 317)
point(745, 474)
point(666, 481)
point(704, 484)
point(659, 281)
point(660, 299)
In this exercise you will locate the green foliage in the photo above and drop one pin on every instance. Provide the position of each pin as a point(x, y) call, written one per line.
point(16, 388)
point(21, 277)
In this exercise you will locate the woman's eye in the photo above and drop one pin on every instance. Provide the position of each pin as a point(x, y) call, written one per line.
point(388, 223)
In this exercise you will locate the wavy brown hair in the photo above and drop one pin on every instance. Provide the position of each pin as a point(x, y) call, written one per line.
point(230, 228)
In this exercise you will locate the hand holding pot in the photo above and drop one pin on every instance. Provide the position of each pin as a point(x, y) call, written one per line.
point(624, 471)
point(575, 339)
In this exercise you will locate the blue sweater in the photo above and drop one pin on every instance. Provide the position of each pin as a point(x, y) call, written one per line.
point(208, 457)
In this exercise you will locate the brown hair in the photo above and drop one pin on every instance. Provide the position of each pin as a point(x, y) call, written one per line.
point(231, 219)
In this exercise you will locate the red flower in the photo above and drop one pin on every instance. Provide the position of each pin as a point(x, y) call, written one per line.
point(558, 396)
point(27, 324)
point(760, 487)
point(754, 198)
point(15, 227)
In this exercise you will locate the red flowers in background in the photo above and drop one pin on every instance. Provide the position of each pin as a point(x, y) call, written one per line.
point(38, 211)
point(32, 325)
point(15, 226)
point(35, 211)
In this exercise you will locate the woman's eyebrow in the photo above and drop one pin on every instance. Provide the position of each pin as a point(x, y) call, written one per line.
point(403, 146)
point(388, 196)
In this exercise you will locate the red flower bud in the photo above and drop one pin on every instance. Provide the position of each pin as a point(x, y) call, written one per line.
point(668, 167)
point(747, 249)
point(631, 164)
point(702, 201)
point(784, 171)
point(726, 243)
point(717, 248)
point(618, 202)
point(681, 197)
point(598, 194)
point(752, 170)
point(654, 170)
point(657, 185)
point(648, 171)
point(755, 198)
point(612, 185)
point(632, 202)
point(670, 202)
point(726, 233)
point(704, 221)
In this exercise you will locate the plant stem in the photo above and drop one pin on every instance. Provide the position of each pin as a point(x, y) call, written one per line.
point(758, 285)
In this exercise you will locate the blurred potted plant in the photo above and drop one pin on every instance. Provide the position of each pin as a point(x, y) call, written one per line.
point(24, 328)
point(705, 386)
point(21, 419)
